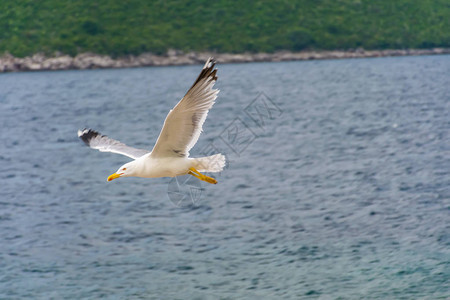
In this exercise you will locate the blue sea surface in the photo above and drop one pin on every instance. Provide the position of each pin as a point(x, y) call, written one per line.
point(337, 186)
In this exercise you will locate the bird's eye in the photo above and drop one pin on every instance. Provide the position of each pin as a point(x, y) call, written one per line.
point(124, 169)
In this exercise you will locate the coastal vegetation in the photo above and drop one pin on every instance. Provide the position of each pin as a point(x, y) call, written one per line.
point(120, 28)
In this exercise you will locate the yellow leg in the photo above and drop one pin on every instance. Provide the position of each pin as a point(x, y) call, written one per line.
point(200, 176)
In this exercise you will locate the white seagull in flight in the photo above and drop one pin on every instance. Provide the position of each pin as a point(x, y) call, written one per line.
point(180, 132)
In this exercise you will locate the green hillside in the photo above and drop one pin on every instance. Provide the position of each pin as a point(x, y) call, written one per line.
point(136, 26)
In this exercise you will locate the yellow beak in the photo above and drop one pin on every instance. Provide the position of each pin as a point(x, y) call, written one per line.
point(113, 176)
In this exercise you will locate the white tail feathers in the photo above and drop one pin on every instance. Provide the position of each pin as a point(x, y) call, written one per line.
point(213, 163)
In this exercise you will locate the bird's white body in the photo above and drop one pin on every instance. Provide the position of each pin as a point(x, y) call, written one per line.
point(180, 132)
point(152, 167)
point(149, 167)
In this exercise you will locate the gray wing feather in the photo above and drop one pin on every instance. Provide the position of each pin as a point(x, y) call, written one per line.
point(184, 122)
point(95, 140)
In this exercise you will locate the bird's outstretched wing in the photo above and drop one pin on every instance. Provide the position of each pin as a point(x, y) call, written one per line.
point(95, 140)
point(184, 122)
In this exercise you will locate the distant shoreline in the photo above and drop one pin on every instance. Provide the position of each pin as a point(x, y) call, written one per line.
point(40, 62)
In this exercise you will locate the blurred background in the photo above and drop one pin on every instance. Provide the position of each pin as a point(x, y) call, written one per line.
point(338, 181)
point(137, 26)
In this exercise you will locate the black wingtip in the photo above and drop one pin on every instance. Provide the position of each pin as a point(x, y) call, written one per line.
point(208, 71)
point(87, 134)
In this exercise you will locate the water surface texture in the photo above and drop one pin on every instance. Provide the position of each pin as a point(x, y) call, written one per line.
point(338, 185)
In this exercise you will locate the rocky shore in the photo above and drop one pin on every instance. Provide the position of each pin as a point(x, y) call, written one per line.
point(40, 62)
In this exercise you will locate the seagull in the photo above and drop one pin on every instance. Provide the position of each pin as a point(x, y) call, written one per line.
point(180, 132)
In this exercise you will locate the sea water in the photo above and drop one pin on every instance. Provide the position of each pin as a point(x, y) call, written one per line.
point(337, 184)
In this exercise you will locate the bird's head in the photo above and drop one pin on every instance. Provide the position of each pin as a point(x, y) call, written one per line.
point(124, 171)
